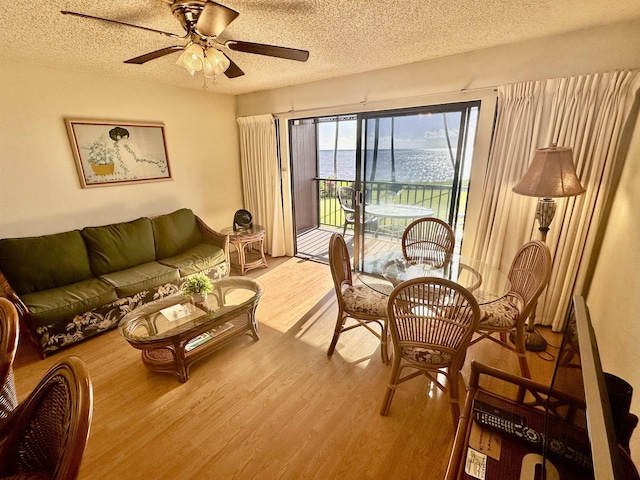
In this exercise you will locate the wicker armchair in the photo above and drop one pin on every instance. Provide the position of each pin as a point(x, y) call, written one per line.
point(358, 302)
point(428, 240)
point(49, 430)
point(431, 322)
point(8, 346)
point(529, 275)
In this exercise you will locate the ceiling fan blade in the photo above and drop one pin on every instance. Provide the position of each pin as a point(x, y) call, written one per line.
point(82, 15)
point(153, 55)
point(270, 50)
point(214, 18)
point(233, 71)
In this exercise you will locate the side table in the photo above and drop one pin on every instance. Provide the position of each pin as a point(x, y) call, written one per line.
point(249, 245)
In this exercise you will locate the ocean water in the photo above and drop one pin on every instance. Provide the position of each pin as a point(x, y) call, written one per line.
point(433, 165)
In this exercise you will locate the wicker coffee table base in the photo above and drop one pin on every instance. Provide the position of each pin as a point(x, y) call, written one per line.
point(173, 358)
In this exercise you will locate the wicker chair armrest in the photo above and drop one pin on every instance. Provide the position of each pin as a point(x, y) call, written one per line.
point(24, 315)
point(6, 290)
point(215, 238)
point(57, 413)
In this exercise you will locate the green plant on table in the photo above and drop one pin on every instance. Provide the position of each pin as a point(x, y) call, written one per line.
point(198, 283)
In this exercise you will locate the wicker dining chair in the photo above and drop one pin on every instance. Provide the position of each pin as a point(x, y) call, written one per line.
point(363, 305)
point(428, 240)
point(529, 275)
point(431, 321)
point(8, 345)
point(49, 430)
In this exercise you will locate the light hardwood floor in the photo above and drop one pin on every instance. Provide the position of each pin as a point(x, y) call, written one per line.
point(278, 408)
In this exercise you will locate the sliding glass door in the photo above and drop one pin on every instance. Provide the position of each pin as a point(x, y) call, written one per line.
point(395, 165)
point(410, 163)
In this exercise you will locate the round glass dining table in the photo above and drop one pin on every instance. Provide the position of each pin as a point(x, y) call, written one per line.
point(486, 283)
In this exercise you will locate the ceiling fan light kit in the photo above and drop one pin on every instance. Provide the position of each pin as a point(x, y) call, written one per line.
point(191, 59)
point(203, 21)
point(214, 63)
point(195, 58)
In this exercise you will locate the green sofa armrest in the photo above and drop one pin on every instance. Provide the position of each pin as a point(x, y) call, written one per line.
point(212, 237)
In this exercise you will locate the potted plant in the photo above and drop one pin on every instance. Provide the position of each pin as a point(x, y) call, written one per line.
point(197, 286)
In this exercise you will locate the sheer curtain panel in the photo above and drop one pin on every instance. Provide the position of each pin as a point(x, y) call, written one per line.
point(261, 182)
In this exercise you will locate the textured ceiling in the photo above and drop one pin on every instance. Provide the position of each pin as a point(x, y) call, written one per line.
point(342, 36)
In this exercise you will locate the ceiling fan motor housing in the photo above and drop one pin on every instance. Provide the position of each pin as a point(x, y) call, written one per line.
point(187, 12)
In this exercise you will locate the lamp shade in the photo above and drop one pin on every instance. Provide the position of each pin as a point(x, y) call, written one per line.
point(551, 174)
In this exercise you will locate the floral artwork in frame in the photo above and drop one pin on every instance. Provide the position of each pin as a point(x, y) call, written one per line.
point(113, 153)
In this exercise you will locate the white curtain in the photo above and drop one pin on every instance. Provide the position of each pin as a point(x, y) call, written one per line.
point(261, 182)
point(505, 218)
point(586, 113)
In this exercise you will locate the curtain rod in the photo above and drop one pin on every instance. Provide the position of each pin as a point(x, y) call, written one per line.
point(377, 102)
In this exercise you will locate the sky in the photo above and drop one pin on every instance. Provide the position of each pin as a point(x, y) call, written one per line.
point(423, 131)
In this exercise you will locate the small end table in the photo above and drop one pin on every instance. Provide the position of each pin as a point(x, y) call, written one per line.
point(249, 245)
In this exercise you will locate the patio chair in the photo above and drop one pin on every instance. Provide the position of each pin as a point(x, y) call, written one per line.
point(431, 321)
point(346, 197)
point(529, 275)
point(48, 432)
point(428, 240)
point(360, 303)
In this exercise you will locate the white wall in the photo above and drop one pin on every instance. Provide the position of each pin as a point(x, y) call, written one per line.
point(614, 295)
point(40, 191)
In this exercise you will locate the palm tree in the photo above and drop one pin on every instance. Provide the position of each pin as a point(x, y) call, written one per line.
point(393, 153)
point(446, 134)
point(374, 160)
point(335, 150)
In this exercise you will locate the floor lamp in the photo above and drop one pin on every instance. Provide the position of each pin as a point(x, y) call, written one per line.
point(550, 175)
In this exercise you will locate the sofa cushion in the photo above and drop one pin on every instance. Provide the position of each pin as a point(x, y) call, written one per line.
point(201, 257)
point(119, 246)
point(52, 306)
point(32, 264)
point(175, 233)
point(130, 281)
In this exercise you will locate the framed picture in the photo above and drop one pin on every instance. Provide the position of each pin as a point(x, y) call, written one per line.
point(114, 153)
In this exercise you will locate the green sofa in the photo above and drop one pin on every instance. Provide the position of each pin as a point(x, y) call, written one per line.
point(70, 286)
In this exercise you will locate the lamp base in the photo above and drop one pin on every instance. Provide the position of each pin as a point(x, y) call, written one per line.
point(533, 341)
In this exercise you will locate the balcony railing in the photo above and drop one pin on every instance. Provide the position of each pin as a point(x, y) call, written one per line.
point(434, 196)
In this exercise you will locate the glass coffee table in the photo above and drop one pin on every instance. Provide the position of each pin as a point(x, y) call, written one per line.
point(174, 332)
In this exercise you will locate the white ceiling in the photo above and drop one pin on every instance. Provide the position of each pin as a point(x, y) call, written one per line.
point(342, 36)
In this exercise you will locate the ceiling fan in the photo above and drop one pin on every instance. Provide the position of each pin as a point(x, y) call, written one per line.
point(203, 21)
